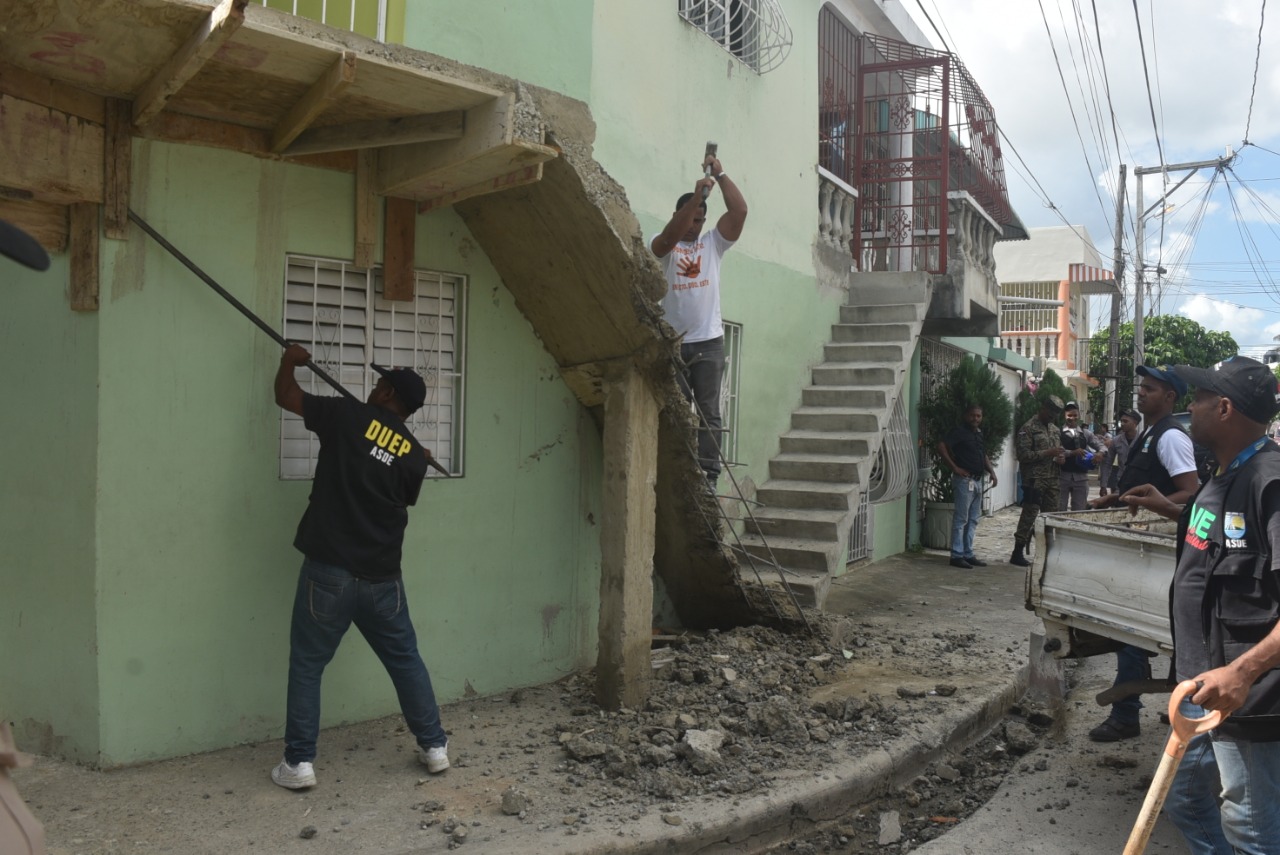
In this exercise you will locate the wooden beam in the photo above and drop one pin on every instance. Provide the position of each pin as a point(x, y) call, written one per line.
point(44, 221)
point(366, 209)
point(518, 178)
point(397, 250)
point(429, 127)
point(62, 97)
point(54, 156)
point(487, 127)
point(117, 153)
point(177, 128)
point(318, 98)
point(84, 257)
point(214, 30)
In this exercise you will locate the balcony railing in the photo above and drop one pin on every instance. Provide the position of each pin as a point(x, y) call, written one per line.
point(836, 204)
point(1032, 345)
point(925, 132)
point(373, 18)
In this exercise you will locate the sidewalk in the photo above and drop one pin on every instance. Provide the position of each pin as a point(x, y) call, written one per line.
point(807, 735)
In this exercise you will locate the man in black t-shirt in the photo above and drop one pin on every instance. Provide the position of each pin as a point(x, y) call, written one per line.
point(1224, 603)
point(963, 452)
point(369, 471)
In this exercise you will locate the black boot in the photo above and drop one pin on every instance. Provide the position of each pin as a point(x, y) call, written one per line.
point(1018, 559)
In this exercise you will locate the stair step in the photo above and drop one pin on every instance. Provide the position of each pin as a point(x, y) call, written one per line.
point(810, 588)
point(841, 352)
point(807, 523)
point(872, 332)
point(844, 397)
point(838, 419)
point(840, 442)
point(793, 553)
point(778, 493)
point(897, 312)
point(841, 374)
point(833, 468)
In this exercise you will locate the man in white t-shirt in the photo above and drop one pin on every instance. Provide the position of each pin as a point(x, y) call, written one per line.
point(1160, 455)
point(691, 261)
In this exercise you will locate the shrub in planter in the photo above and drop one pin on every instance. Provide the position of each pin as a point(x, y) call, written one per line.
point(970, 383)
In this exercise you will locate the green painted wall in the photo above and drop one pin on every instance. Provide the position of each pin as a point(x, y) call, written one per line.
point(665, 91)
point(659, 90)
point(543, 42)
point(48, 629)
point(195, 570)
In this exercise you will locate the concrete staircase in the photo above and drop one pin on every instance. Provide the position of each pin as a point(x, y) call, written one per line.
point(815, 482)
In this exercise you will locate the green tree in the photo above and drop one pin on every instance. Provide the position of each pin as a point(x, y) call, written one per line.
point(1028, 404)
point(1168, 340)
point(969, 383)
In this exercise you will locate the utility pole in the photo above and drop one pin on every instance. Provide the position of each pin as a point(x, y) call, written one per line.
point(1139, 269)
point(1113, 350)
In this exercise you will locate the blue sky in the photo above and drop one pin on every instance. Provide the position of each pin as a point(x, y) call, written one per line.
point(1200, 59)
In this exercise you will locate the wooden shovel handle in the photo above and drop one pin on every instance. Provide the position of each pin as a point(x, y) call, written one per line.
point(1182, 731)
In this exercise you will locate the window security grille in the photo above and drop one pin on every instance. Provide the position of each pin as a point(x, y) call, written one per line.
point(336, 311)
point(755, 31)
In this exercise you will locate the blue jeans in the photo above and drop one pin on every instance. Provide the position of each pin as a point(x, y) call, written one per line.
point(964, 523)
point(700, 382)
point(328, 600)
point(1132, 663)
point(1225, 798)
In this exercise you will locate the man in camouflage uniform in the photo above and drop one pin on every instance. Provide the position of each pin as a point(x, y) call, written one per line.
point(1039, 449)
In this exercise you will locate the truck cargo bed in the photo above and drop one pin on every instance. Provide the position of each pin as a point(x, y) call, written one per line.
point(1102, 577)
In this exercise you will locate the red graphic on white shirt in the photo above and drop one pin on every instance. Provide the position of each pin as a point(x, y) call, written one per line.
point(690, 268)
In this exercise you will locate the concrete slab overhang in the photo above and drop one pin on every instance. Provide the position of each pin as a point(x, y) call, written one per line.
point(264, 83)
point(247, 78)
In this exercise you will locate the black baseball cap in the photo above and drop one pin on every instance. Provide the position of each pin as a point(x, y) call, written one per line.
point(410, 388)
point(22, 247)
point(1247, 383)
point(1132, 414)
point(1165, 374)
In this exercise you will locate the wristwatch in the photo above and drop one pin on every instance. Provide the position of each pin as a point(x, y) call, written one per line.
point(721, 175)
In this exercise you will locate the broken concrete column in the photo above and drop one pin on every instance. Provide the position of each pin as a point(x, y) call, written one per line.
point(628, 504)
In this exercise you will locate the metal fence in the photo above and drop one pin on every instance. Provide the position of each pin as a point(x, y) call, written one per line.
point(366, 17)
point(926, 130)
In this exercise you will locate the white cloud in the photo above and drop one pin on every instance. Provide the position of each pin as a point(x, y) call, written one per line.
point(1243, 323)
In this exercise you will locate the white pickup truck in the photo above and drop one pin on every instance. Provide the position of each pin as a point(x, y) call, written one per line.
point(1101, 577)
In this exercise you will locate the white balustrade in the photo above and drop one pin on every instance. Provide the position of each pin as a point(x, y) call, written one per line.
point(836, 203)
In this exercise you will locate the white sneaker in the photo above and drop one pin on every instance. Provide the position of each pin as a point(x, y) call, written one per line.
point(435, 759)
point(297, 777)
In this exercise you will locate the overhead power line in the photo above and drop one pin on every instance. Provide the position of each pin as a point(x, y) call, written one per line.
point(1106, 80)
point(1257, 60)
point(1137, 17)
point(1093, 180)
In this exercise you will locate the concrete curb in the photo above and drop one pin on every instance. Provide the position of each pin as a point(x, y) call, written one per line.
point(796, 806)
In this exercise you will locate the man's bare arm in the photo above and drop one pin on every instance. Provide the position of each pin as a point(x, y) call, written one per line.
point(681, 221)
point(1225, 689)
point(735, 216)
point(288, 392)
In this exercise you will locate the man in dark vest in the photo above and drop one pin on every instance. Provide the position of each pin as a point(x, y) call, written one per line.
point(1224, 603)
point(1079, 445)
point(1161, 455)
